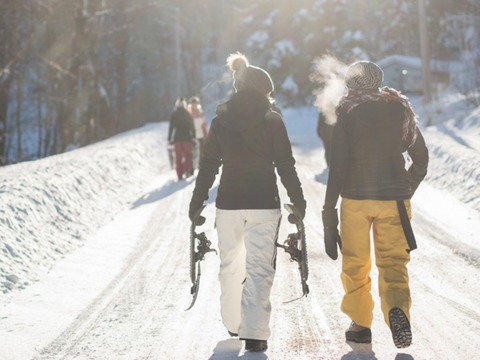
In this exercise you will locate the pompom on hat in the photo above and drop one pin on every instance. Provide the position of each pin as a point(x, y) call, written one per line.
point(246, 76)
point(181, 102)
point(363, 75)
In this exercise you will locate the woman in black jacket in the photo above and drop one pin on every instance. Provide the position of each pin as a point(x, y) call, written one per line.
point(375, 128)
point(248, 140)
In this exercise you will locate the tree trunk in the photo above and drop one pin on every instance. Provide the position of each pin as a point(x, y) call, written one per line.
point(18, 119)
point(48, 129)
point(4, 100)
point(69, 111)
point(7, 62)
point(121, 74)
point(39, 120)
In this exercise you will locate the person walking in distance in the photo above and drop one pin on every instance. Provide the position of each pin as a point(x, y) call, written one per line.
point(249, 141)
point(181, 133)
point(201, 128)
point(375, 127)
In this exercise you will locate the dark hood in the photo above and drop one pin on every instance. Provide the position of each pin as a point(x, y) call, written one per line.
point(243, 111)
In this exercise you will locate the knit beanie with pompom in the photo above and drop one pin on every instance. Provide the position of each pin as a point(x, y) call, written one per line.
point(181, 102)
point(246, 76)
point(363, 75)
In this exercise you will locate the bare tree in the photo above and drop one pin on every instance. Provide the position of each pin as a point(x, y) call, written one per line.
point(7, 63)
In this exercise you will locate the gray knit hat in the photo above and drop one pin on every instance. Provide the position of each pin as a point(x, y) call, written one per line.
point(246, 76)
point(363, 75)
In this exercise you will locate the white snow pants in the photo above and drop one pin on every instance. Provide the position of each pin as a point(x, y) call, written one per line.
point(246, 241)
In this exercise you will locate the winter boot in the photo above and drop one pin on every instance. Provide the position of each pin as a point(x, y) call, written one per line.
point(400, 326)
point(255, 345)
point(358, 334)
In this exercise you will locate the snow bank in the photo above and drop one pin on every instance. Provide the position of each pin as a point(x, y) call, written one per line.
point(454, 165)
point(48, 207)
point(454, 146)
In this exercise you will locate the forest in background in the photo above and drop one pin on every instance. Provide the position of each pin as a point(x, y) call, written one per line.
point(73, 72)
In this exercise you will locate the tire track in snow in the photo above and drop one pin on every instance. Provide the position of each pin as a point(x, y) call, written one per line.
point(129, 281)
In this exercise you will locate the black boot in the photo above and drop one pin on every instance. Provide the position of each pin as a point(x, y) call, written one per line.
point(359, 334)
point(256, 345)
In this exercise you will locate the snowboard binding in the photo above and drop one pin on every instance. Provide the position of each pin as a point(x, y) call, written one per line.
point(296, 247)
point(202, 244)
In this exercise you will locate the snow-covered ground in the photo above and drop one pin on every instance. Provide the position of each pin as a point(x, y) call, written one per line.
point(94, 261)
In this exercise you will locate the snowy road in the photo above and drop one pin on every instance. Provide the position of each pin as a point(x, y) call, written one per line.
point(124, 294)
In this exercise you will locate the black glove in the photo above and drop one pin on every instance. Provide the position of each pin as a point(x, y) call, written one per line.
point(194, 206)
point(301, 207)
point(330, 233)
point(414, 179)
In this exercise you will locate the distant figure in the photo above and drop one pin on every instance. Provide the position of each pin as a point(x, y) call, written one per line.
point(324, 132)
point(375, 127)
point(181, 134)
point(201, 129)
point(248, 141)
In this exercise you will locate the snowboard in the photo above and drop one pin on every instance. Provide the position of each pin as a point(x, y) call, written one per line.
point(199, 246)
point(296, 247)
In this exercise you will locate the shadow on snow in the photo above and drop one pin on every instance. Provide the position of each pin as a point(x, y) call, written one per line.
point(365, 352)
point(168, 189)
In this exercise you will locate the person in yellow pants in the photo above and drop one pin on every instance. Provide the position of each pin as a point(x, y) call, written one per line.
point(375, 127)
point(357, 218)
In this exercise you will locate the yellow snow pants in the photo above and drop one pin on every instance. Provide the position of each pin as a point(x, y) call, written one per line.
point(358, 218)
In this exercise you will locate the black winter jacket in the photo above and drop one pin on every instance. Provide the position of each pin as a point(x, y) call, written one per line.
point(367, 160)
point(249, 141)
point(181, 127)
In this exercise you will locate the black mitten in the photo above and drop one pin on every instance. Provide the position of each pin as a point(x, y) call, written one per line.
point(330, 233)
point(414, 179)
point(194, 206)
point(301, 207)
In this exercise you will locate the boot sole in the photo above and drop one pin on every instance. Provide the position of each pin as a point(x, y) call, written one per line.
point(400, 326)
